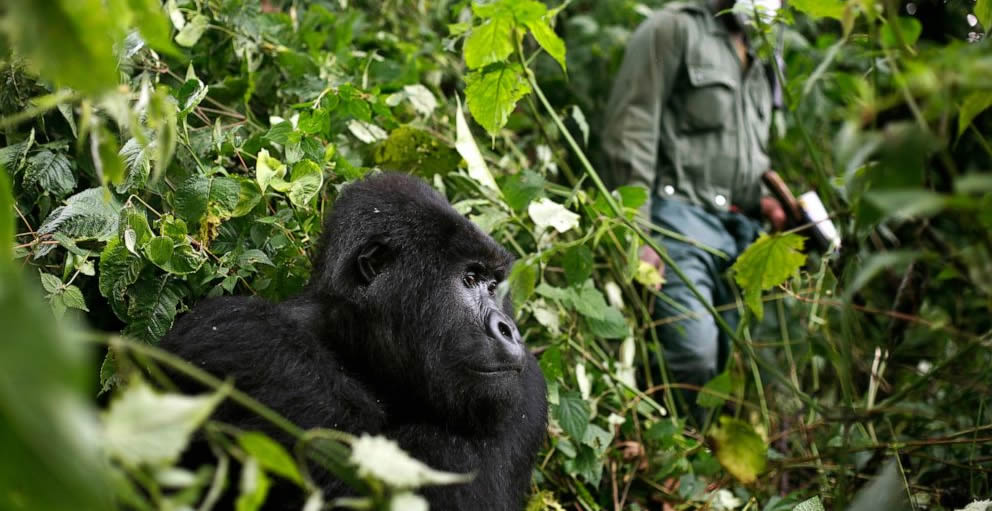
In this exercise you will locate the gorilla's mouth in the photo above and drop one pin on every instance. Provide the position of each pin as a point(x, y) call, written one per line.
point(495, 371)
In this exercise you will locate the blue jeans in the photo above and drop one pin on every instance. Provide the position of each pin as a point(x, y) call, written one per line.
point(695, 348)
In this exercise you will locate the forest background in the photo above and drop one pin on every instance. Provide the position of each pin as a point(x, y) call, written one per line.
point(157, 154)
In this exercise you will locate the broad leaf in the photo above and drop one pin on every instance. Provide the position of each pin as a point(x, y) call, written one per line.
point(572, 414)
point(522, 279)
point(489, 43)
point(270, 455)
point(767, 263)
point(145, 427)
point(383, 459)
point(192, 31)
point(547, 213)
point(154, 302)
point(305, 181)
point(739, 449)
point(492, 94)
point(549, 41)
point(974, 104)
point(90, 214)
point(50, 172)
point(819, 8)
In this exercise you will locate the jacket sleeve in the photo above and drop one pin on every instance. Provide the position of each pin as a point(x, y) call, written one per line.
point(650, 65)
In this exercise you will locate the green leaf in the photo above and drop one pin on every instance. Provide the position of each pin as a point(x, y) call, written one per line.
point(907, 203)
point(492, 94)
point(254, 256)
point(719, 385)
point(73, 297)
point(910, 28)
point(521, 188)
point(572, 414)
point(811, 504)
point(983, 11)
point(268, 168)
point(739, 449)
point(159, 250)
point(894, 260)
point(768, 262)
point(578, 263)
point(522, 279)
point(70, 41)
point(597, 438)
point(612, 326)
point(192, 31)
point(6, 217)
point(147, 15)
point(50, 282)
point(489, 43)
point(50, 172)
point(549, 41)
point(270, 455)
point(248, 197)
point(819, 8)
point(588, 301)
point(191, 199)
point(137, 165)
point(974, 104)
point(154, 301)
point(90, 214)
point(305, 181)
point(118, 270)
point(145, 427)
point(254, 487)
point(108, 162)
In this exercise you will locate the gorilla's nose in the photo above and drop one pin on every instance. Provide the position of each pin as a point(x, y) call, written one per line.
point(501, 328)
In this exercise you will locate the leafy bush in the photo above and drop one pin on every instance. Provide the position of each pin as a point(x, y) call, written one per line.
point(161, 154)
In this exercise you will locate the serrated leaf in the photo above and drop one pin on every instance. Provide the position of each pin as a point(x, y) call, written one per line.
point(50, 283)
point(819, 8)
point(811, 504)
point(578, 263)
point(523, 277)
point(768, 262)
point(489, 43)
point(192, 31)
point(597, 438)
point(137, 165)
point(270, 455)
point(51, 172)
point(118, 270)
point(305, 181)
point(548, 213)
point(72, 297)
point(548, 40)
point(612, 325)
point(154, 301)
point(191, 199)
point(89, 214)
point(587, 300)
point(145, 427)
point(492, 94)
point(383, 459)
point(739, 449)
point(572, 414)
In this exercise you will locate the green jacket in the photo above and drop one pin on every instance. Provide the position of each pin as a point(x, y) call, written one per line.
point(684, 119)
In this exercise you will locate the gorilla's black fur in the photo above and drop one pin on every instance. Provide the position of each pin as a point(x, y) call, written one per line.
point(399, 333)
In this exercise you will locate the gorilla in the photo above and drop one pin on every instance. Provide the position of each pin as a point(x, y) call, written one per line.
point(400, 332)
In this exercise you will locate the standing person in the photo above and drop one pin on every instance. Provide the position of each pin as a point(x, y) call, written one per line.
point(688, 118)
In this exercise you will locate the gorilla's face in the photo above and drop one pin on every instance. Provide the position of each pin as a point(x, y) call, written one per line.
point(424, 283)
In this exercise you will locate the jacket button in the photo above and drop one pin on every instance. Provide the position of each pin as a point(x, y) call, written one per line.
point(720, 200)
point(669, 189)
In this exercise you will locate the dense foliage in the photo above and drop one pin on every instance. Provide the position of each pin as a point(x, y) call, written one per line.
point(159, 154)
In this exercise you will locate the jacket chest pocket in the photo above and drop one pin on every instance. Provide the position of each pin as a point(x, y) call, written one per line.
point(707, 102)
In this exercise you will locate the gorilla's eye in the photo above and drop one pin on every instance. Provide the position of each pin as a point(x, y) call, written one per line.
point(471, 279)
point(492, 288)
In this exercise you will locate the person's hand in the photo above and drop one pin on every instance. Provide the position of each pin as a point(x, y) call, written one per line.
point(772, 210)
point(648, 255)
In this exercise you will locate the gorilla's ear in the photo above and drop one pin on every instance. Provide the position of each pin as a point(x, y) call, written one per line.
point(372, 260)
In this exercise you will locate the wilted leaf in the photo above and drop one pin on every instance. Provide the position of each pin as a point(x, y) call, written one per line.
point(739, 449)
point(382, 458)
point(768, 262)
point(145, 427)
point(466, 147)
point(547, 213)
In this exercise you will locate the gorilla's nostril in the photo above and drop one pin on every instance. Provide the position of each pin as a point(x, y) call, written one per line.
point(504, 330)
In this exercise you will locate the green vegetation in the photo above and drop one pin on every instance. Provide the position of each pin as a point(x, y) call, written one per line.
point(158, 154)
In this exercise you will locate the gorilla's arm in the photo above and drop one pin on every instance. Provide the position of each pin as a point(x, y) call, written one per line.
point(267, 352)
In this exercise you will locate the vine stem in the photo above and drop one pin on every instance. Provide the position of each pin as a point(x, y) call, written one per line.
point(669, 262)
